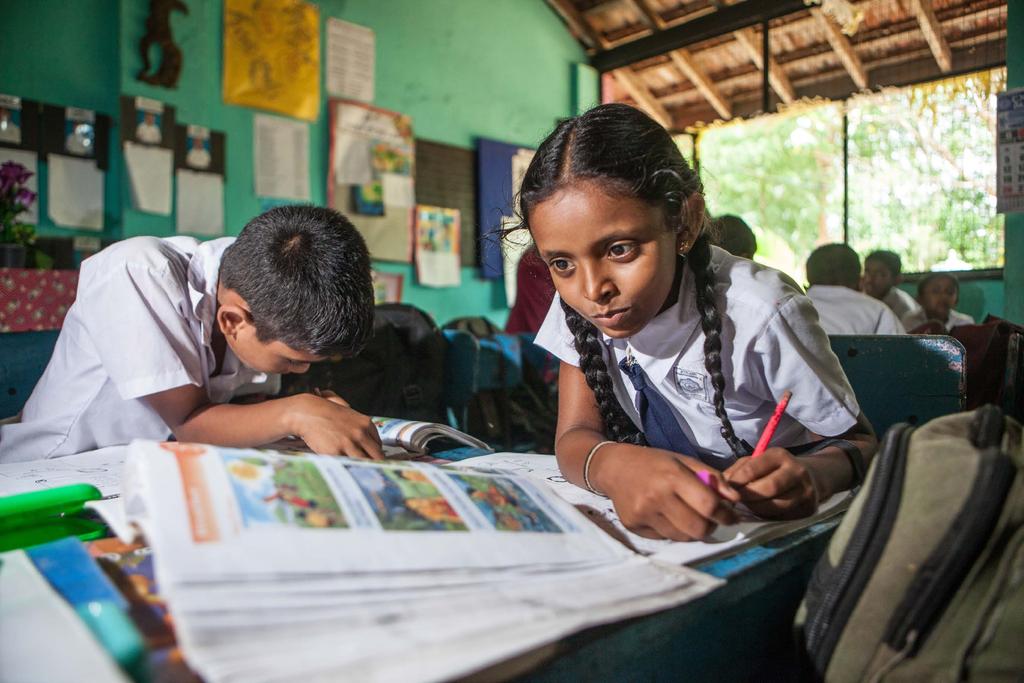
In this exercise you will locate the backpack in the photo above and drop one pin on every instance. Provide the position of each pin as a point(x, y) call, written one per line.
point(924, 577)
point(522, 411)
point(993, 363)
point(400, 373)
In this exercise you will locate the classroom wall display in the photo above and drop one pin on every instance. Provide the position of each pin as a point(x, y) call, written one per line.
point(19, 123)
point(272, 56)
point(370, 175)
point(446, 176)
point(280, 150)
point(387, 288)
point(351, 58)
point(74, 142)
point(500, 168)
point(200, 177)
point(437, 246)
point(147, 138)
point(1010, 151)
point(159, 32)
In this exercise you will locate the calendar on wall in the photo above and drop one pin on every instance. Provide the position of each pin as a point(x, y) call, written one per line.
point(1010, 151)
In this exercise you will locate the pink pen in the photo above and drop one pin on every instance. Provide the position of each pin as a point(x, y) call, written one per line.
point(769, 431)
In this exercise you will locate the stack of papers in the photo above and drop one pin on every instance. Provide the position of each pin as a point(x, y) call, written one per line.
point(281, 567)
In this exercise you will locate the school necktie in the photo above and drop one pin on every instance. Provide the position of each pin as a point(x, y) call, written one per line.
point(656, 414)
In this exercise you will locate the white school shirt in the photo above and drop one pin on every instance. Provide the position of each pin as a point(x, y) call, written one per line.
point(771, 342)
point(900, 302)
point(141, 323)
point(919, 317)
point(842, 310)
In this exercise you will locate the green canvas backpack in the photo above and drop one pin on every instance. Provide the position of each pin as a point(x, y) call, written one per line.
point(924, 577)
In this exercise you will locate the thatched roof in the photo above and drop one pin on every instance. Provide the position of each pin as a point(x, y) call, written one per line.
point(686, 61)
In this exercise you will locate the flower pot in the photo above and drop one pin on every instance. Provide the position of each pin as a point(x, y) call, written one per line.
point(12, 256)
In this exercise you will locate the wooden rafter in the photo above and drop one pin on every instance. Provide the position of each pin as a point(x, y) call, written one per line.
point(685, 62)
point(578, 23)
point(648, 16)
point(643, 97)
point(932, 30)
point(776, 76)
point(842, 47)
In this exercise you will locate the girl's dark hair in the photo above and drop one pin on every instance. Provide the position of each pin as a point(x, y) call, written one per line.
point(627, 152)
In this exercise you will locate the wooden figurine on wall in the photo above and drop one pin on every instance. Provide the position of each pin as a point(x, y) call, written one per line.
point(158, 31)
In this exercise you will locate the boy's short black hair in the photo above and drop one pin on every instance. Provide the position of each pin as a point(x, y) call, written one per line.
point(890, 259)
point(932, 277)
point(304, 271)
point(834, 264)
point(734, 235)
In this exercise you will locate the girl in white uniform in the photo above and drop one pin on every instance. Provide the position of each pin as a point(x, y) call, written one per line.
point(674, 353)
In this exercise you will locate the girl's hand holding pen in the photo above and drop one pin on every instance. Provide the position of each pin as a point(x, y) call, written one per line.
point(657, 494)
point(775, 485)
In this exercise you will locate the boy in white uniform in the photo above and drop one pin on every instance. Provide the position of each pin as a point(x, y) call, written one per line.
point(163, 332)
point(938, 294)
point(776, 346)
point(882, 273)
point(833, 272)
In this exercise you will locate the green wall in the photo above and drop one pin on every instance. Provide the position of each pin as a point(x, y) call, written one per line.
point(1013, 274)
point(460, 68)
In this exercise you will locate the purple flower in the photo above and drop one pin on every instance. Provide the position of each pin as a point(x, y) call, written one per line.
point(25, 197)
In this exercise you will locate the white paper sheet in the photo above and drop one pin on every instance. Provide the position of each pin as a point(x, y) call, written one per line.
point(30, 160)
point(101, 468)
point(600, 510)
point(149, 176)
point(75, 192)
point(36, 623)
point(350, 60)
point(281, 157)
point(199, 208)
point(399, 191)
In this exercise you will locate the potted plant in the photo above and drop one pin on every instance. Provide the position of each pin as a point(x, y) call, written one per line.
point(15, 198)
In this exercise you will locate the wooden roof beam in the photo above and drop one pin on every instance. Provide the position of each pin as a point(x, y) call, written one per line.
point(776, 76)
point(578, 23)
point(631, 83)
point(648, 16)
point(932, 30)
point(842, 47)
point(685, 62)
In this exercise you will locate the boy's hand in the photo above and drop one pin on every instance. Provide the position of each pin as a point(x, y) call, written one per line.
point(330, 427)
point(657, 495)
point(775, 485)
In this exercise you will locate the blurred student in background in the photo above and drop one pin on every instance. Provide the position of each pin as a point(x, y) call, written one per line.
point(938, 295)
point(833, 272)
point(734, 235)
point(882, 276)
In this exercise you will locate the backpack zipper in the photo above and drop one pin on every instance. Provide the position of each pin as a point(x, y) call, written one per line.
point(941, 574)
point(863, 549)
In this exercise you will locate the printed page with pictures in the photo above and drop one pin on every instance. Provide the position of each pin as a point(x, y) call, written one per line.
point(415, 436)
point(724, 540)
point(213, 510)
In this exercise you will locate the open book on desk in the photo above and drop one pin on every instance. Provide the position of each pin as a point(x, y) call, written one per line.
point(423, 437)
point(284, 567)
point(725, 540)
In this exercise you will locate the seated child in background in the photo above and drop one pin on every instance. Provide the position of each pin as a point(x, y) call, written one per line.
point(937, 293)
point(734, 235)
point(674, 353)
point(882, 274)
point(163, 332)
point(833, 272)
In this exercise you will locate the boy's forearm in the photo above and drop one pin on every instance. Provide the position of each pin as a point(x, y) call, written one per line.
point(832, 467)
point(227, 424)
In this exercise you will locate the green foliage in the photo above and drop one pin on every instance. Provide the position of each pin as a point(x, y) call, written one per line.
point(921, 175)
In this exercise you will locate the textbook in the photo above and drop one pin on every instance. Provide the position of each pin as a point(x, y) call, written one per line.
point(298, 566)
point(415, 436)
point(724, 540)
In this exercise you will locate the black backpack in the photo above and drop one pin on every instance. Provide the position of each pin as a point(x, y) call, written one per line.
point(400, 373)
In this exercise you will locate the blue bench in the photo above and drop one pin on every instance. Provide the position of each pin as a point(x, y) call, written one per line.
point(23, 357)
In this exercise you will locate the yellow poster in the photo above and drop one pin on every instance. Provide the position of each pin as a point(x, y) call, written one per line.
point(272, 56)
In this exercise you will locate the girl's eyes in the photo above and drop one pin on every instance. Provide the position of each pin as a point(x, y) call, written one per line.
point(561, 264)
point(621, 249)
